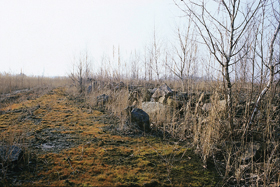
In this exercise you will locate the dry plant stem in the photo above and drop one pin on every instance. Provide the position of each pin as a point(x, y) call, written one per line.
point(268, 168)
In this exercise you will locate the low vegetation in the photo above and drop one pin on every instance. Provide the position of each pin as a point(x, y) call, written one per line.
point(170, 120)
point(69, 138)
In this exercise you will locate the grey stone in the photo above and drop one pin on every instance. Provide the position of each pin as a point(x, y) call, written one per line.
point(206, 107)
point(138, 118)
point(89, 90)
point(154, 108)
point(221, 106)
point(163, 90)
point(152, 91)
point(119, 86)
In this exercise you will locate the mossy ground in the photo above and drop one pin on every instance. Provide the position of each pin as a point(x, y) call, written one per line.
point(72, 148)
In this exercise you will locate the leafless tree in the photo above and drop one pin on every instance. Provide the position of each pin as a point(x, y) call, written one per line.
point(221, 29)
point(155, 55)
point(81, 71)
point(185, 55)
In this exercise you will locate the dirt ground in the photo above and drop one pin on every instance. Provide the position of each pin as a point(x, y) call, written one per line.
point(67, 143)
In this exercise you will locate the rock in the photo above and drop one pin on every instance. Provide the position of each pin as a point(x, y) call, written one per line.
point(11, 153)
point(155, 108)
point(206, 107)
point(152, 91)
point(149, 85)
point(122, 85)
point(102, 99)
point(138, 118)
point(89, 90)
point(119, 86)
point(134, 96)
point(146, 95)
point(162, 100)
point(163, 90)
point(221, 106)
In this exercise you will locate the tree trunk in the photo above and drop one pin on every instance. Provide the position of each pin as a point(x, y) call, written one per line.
point(229, 96)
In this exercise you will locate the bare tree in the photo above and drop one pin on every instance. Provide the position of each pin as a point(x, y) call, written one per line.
point(81, 71)
point(155, 52)
point(185, 55)
point(222, 30)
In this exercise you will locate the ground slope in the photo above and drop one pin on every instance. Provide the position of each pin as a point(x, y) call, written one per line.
point(65, 144)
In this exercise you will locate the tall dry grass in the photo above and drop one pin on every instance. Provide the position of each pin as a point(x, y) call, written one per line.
point(10, 82)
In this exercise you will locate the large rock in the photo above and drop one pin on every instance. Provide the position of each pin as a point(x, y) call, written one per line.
point(152, 91)
point(146, 95)
point(138, 118)
point(162, 91)
point(154, 108)
point(221, 106)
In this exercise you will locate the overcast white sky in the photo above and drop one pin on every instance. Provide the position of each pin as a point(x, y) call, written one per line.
point(42, 36)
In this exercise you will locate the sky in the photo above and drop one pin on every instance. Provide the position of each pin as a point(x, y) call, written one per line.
point(41, 37)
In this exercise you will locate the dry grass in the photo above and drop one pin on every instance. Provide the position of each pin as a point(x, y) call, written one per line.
point(10, 83)
point(210, 132)
point(207, 131)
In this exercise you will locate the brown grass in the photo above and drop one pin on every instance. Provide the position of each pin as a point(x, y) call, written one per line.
point(10, 82)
